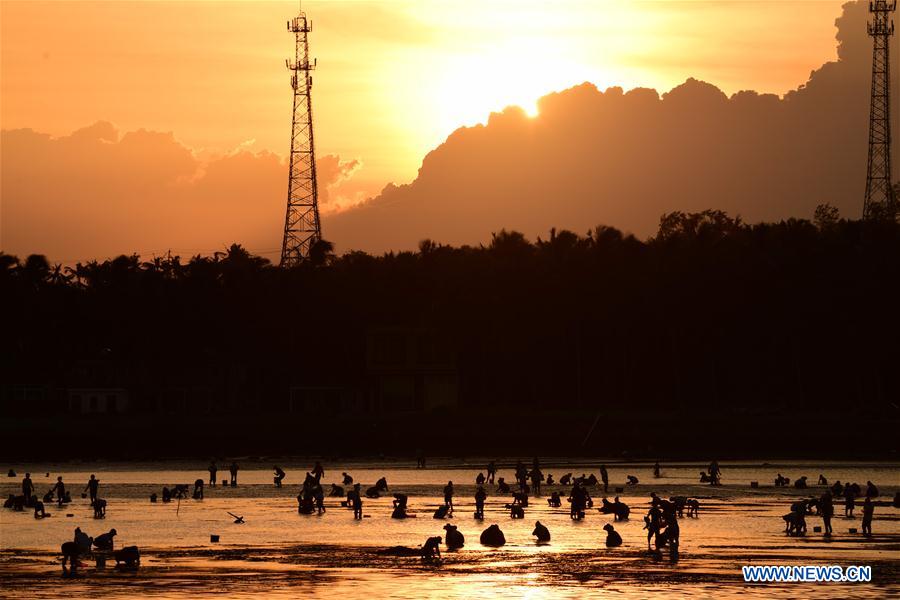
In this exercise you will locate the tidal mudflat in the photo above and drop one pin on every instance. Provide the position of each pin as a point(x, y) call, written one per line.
point(278, 552)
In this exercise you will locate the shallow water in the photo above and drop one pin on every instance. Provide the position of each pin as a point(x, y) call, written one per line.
point(280, 552)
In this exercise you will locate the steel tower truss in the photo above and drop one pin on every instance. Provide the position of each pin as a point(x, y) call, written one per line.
point(880, 201)
point(301, 224)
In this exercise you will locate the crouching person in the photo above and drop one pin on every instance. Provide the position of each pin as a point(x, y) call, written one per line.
point(128, 557)
point(104, 541)
point(454, 538)
point(432, 548)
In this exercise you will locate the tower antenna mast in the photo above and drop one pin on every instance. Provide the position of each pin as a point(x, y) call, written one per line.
point(880, 201)
point(302, 228)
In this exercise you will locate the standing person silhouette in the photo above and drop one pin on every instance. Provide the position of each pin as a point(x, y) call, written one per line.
point(849, 501)
point(715, 473)
point(356, 501)
point(868, 514)
point(92, 486)
point(826, 509)
point(27, 488)
point(448, 496)
point(319, 497)
point(521, 475)
point(653, 523)
point(604, 477)
point(491, 472)
point(213, 469)
point(871, 490)
point(60, 490)
point(480, 497)
point(536, 477)
point(233, 470)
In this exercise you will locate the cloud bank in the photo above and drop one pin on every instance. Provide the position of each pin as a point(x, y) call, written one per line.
point(96, 193)
point(622, 159)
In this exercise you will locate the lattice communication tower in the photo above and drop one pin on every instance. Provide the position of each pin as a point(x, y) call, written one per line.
point(880, 201)
point(302, 228)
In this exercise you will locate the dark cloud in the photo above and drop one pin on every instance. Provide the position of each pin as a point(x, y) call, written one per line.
point(622, 159)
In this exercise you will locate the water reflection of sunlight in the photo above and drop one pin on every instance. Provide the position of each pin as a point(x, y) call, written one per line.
point(535, 592)
point(277, 545)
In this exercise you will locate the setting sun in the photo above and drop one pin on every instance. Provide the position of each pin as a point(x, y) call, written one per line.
point(516, 71)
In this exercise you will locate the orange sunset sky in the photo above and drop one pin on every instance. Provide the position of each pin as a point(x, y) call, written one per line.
point(394, 80)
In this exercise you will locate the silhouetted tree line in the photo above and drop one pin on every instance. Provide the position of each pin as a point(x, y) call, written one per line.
point(711, 314)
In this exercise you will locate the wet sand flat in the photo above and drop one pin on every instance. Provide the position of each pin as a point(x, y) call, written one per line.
point(279, 552)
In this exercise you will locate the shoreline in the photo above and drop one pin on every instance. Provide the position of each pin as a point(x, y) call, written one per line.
point(448, 462)
point(621, 435)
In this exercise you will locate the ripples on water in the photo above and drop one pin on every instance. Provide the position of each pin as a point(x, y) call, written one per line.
point(279, 552)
